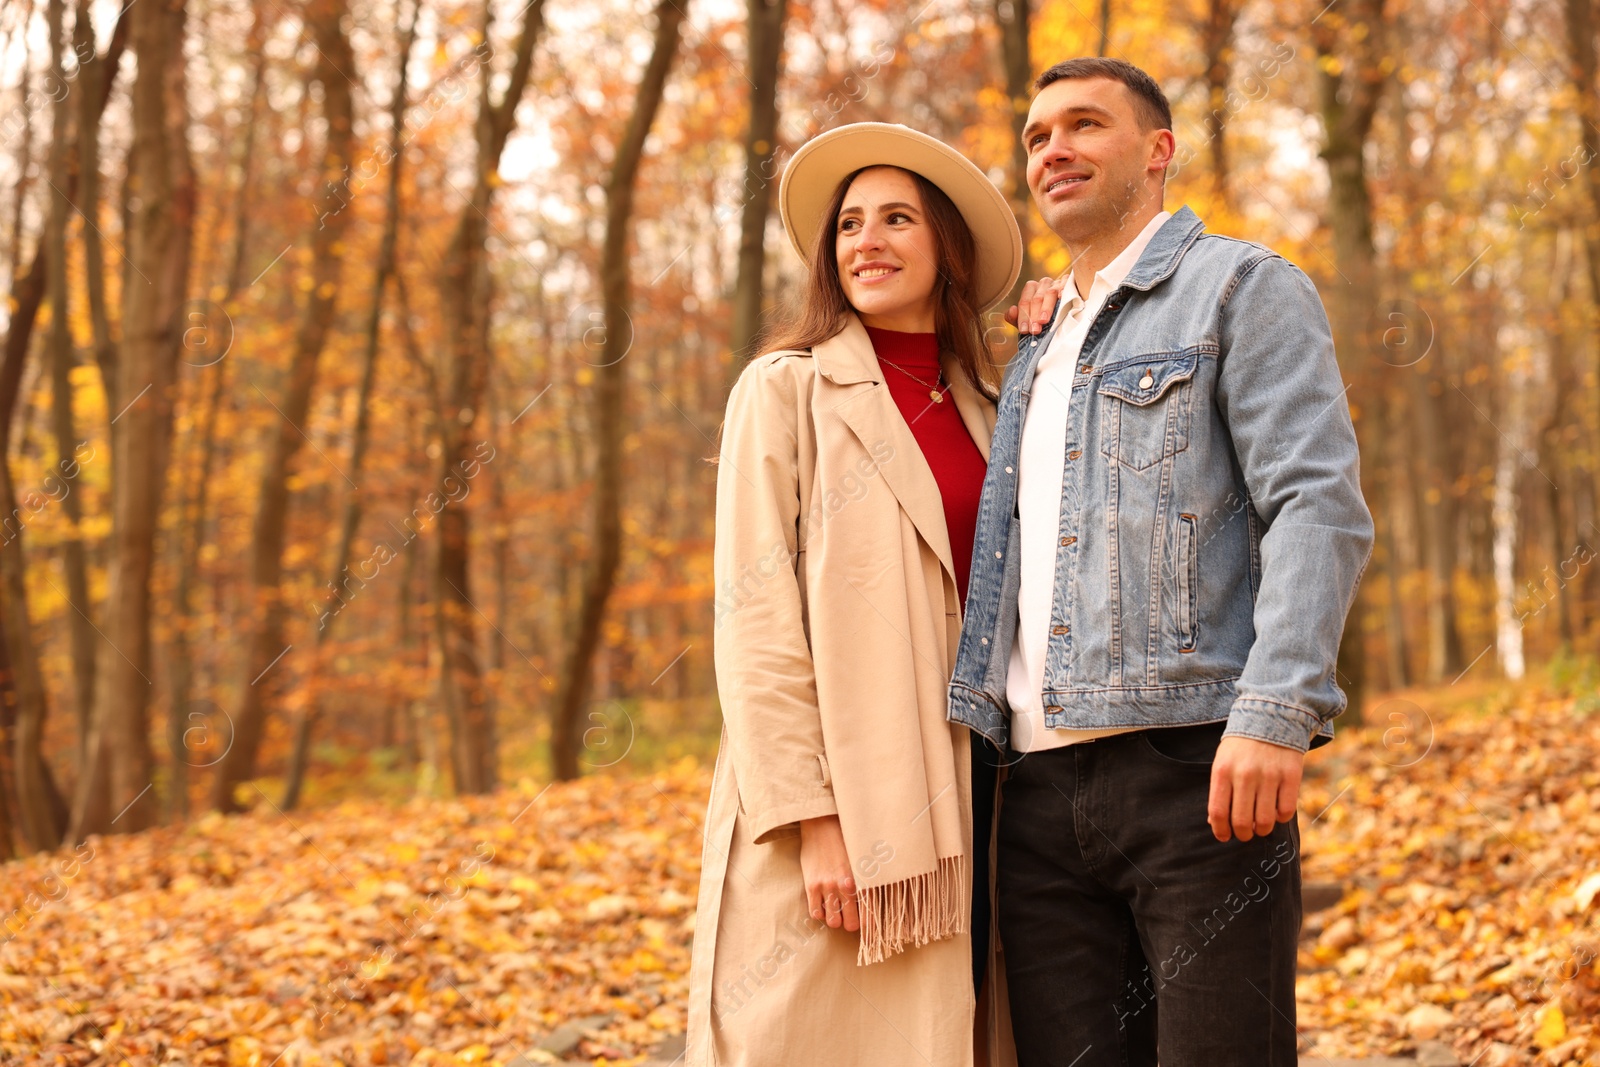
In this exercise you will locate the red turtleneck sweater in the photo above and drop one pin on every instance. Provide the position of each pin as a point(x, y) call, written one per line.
point(952, 455)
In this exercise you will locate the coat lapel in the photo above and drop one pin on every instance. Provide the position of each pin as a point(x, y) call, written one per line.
point(864, 405)
point(977, 413)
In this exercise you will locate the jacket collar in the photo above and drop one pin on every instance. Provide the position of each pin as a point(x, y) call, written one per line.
point(1156, 264)
point(1165, 250)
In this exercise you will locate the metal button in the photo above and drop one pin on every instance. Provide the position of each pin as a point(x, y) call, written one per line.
point(1074, 454)
point(997, 555)
point(1147, 381)
point(1060, 629)
point(1084, 368)
point(984, 640)
point(1008, 470)
point(1052, 707)
point(1069, 540)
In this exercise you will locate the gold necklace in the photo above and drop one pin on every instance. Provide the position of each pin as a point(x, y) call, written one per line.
point(935, 389)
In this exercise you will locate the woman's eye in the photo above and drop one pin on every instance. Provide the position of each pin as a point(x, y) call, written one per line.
point(899, 217)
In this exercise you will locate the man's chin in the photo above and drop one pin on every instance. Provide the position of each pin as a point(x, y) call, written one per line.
point(1073, 223)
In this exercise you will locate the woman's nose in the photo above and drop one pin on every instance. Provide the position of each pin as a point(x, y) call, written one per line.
point(869, 236)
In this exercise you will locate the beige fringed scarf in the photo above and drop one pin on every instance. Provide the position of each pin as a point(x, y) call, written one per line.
point(923, 908)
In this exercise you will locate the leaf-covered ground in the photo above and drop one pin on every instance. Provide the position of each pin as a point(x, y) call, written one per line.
point(1469, 842)
point(484, 930)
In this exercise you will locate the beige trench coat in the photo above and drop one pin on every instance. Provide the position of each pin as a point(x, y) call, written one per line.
point(818, 435)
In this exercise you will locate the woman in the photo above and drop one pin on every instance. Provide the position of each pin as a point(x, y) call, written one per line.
point(835, 919)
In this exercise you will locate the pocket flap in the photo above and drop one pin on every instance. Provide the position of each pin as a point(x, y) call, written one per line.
point(1145, 379)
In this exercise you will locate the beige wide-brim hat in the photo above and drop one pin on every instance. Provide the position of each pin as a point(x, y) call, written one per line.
point(816, 170)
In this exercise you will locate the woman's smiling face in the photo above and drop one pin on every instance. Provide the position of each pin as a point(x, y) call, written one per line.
point(887, 254)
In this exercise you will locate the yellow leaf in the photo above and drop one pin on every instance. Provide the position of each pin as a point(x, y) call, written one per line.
point(1552, 1027)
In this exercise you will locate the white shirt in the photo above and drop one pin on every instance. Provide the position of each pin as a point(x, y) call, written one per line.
point(1040, 467)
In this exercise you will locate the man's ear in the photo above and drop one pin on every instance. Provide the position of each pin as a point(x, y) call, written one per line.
point(1163, 148)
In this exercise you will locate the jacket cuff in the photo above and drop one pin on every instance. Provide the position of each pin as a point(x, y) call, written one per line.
point(1285, 725)
point(784, 820)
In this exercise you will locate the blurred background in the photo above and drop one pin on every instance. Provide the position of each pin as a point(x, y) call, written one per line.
point(360, 368)
point(362, 362)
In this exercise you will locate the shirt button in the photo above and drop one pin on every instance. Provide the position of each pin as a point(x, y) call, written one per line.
point(997, 555)
point(1147, 381)
point(1008, 470)
point(1069, 540)
point(1052, 707)
point(1084, 368)
point(1074, 454)
point(985, 640)
point(1060, 629)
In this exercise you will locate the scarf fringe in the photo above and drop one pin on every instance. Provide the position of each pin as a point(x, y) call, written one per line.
point(913, 911)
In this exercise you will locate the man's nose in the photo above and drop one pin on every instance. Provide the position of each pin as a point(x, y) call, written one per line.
point(1058, 150)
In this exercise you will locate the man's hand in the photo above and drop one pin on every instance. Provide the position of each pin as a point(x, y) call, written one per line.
point(1038, 300)
point(825, 867)
point(1254, 786)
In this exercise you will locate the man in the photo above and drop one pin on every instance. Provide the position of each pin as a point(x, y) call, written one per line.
point(1171, 533)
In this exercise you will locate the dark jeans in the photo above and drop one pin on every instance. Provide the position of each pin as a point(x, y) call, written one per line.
point(1128, 927)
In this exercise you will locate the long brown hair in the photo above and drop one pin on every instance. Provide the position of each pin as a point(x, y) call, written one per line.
point(821, 309)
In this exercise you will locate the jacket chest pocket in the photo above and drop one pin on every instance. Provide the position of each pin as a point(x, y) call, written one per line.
point(1144, 407)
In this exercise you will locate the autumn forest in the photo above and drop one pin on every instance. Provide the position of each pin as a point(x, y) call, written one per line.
point(360, 373)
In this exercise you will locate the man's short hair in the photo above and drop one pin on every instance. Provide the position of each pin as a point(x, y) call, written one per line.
point(1149, 102)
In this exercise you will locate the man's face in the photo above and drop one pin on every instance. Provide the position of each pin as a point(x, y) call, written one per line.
point(1090, 160)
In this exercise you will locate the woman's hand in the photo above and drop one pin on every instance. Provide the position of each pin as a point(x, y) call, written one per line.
point(1037, 302)
point(825, 866)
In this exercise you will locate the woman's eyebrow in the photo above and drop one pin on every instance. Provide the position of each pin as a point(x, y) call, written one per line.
point(894, 206)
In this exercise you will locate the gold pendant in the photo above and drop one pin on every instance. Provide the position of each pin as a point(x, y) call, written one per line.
point(938, 397)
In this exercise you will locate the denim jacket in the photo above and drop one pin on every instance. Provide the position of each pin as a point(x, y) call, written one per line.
point(1212, 525)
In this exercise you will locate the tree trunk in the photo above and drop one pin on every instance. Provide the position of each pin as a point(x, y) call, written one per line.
point(500, 549)
point(112, 792)
point(95, 74)
point(41, 811)
point(195, 505)
point(765, 35)
point(1350, 82)
point(311, 707)
point(1508, 460)
point(610, 378)
point(8, 707)
point(1582, 69)
point(1216, 40)
point(261, 683)
point(1016, 60)
point(1390, 507)
point(60, 362)
point(24, 155)
point(464, 293)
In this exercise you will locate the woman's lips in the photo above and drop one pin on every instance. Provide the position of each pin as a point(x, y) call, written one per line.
point(873, 277)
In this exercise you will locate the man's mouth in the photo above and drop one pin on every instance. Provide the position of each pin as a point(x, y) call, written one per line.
point(1064, 181)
